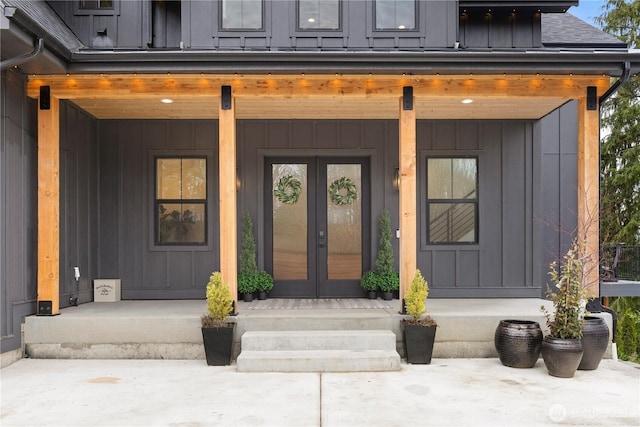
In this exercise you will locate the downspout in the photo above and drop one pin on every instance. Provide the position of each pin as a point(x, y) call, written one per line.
point(626, 73)
point(594, 305)
point(24, 58)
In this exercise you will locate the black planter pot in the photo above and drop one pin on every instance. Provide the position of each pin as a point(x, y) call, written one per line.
point(262, 295)
point(247, 297)
point(387, 295)
point(518, 343)
point(372, 294)
point(418, 343)
point(561, 356)
point(218, 343)
point(595, 339)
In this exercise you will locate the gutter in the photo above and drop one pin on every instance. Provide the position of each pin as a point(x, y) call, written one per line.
point(26, 57)
point(622, 80)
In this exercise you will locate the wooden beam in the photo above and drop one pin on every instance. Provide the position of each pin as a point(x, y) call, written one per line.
point(408, 204)
point(589, 192)
point(91, 86)
point(228, 216)
point(49, 207)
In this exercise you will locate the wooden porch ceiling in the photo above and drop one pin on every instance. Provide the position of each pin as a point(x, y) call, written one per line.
point(317, 97)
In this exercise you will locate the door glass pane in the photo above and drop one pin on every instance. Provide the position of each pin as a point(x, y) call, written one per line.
point(289, 221)
point(344, 221)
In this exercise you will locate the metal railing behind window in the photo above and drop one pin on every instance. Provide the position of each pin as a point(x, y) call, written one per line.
point(620, 262)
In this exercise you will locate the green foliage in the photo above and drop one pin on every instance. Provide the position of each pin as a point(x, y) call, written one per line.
point(370, 281)
point(389, 281)
point(248, 253)
point(628, 330)
point(219, 302)
point(247, 283)
point(384, 258)
point(567, 319)
point(620, 149)
point(415, 299)
point(264, 281)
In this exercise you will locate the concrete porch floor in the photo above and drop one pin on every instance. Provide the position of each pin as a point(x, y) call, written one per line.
point(170, 329)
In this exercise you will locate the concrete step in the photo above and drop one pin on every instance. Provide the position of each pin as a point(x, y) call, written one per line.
point(318, 340)
point(319, 361)
point(318, 351)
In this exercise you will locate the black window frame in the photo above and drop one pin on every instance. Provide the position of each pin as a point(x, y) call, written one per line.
point(416, 18)
point(222, 28)
point(158, 201)
point(435, 201)
point(78, 9)
point(298, 28)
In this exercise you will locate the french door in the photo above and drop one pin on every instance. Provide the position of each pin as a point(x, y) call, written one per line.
point(317, 223)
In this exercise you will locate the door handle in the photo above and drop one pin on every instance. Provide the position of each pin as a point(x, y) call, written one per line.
point(321, 239)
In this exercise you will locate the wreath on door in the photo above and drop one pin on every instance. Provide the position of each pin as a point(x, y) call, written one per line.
point(343, 191)
point(287, 190)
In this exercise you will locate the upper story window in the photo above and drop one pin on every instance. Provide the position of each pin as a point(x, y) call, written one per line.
point(242, 15)
point(452, 200)
point(96, 7)
point(395, 14)
point(181, 201)
point(96, 4)
point(319, 14)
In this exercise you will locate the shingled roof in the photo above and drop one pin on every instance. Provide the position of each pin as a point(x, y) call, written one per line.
point(566, 30)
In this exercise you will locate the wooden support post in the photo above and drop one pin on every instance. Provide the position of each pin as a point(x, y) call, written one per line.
point(589, 192)
point(228, 216)
point(408, 208)
point(49, 208)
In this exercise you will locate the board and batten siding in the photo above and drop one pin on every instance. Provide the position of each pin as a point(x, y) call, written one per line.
point(18, 208)
point(527, 178)
point(127, 250)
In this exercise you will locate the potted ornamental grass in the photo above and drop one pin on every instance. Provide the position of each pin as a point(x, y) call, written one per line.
point(217, 332)
point(419, 330)
point(562, 347)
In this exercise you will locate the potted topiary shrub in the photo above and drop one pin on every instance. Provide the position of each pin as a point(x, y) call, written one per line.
point(370, 282)
point(217, 333)
point(389, 280)
point(264, 282)
point(562, 348)
point(250, 279)
point(419, 331)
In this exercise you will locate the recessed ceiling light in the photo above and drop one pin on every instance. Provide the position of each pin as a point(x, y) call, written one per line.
point(166, 100)
point(467, 101)
point(311, 20)
point(401, 27)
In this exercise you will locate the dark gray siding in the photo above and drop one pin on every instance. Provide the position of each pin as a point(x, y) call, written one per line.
point(559, 183)
point(78, 203)
point(127, 26)
point(126, 188)
point(142, 24)
point(18, 204)
point(500, 29)
point(515, 213)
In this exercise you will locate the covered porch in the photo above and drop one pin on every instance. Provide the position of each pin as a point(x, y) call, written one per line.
point(171, 329)
point(229, 98)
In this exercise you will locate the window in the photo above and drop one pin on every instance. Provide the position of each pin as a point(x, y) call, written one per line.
point(242, 15)
point(181, 201)
point(395, 14)
point(319, 14)
point(96, 4)
point(452, 200)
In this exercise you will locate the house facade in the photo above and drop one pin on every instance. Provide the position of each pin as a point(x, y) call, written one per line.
point(135, 134)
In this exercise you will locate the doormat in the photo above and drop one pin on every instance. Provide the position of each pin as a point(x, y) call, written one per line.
point(317, 304)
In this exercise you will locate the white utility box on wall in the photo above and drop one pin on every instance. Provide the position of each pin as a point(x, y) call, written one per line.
point(106, 290)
